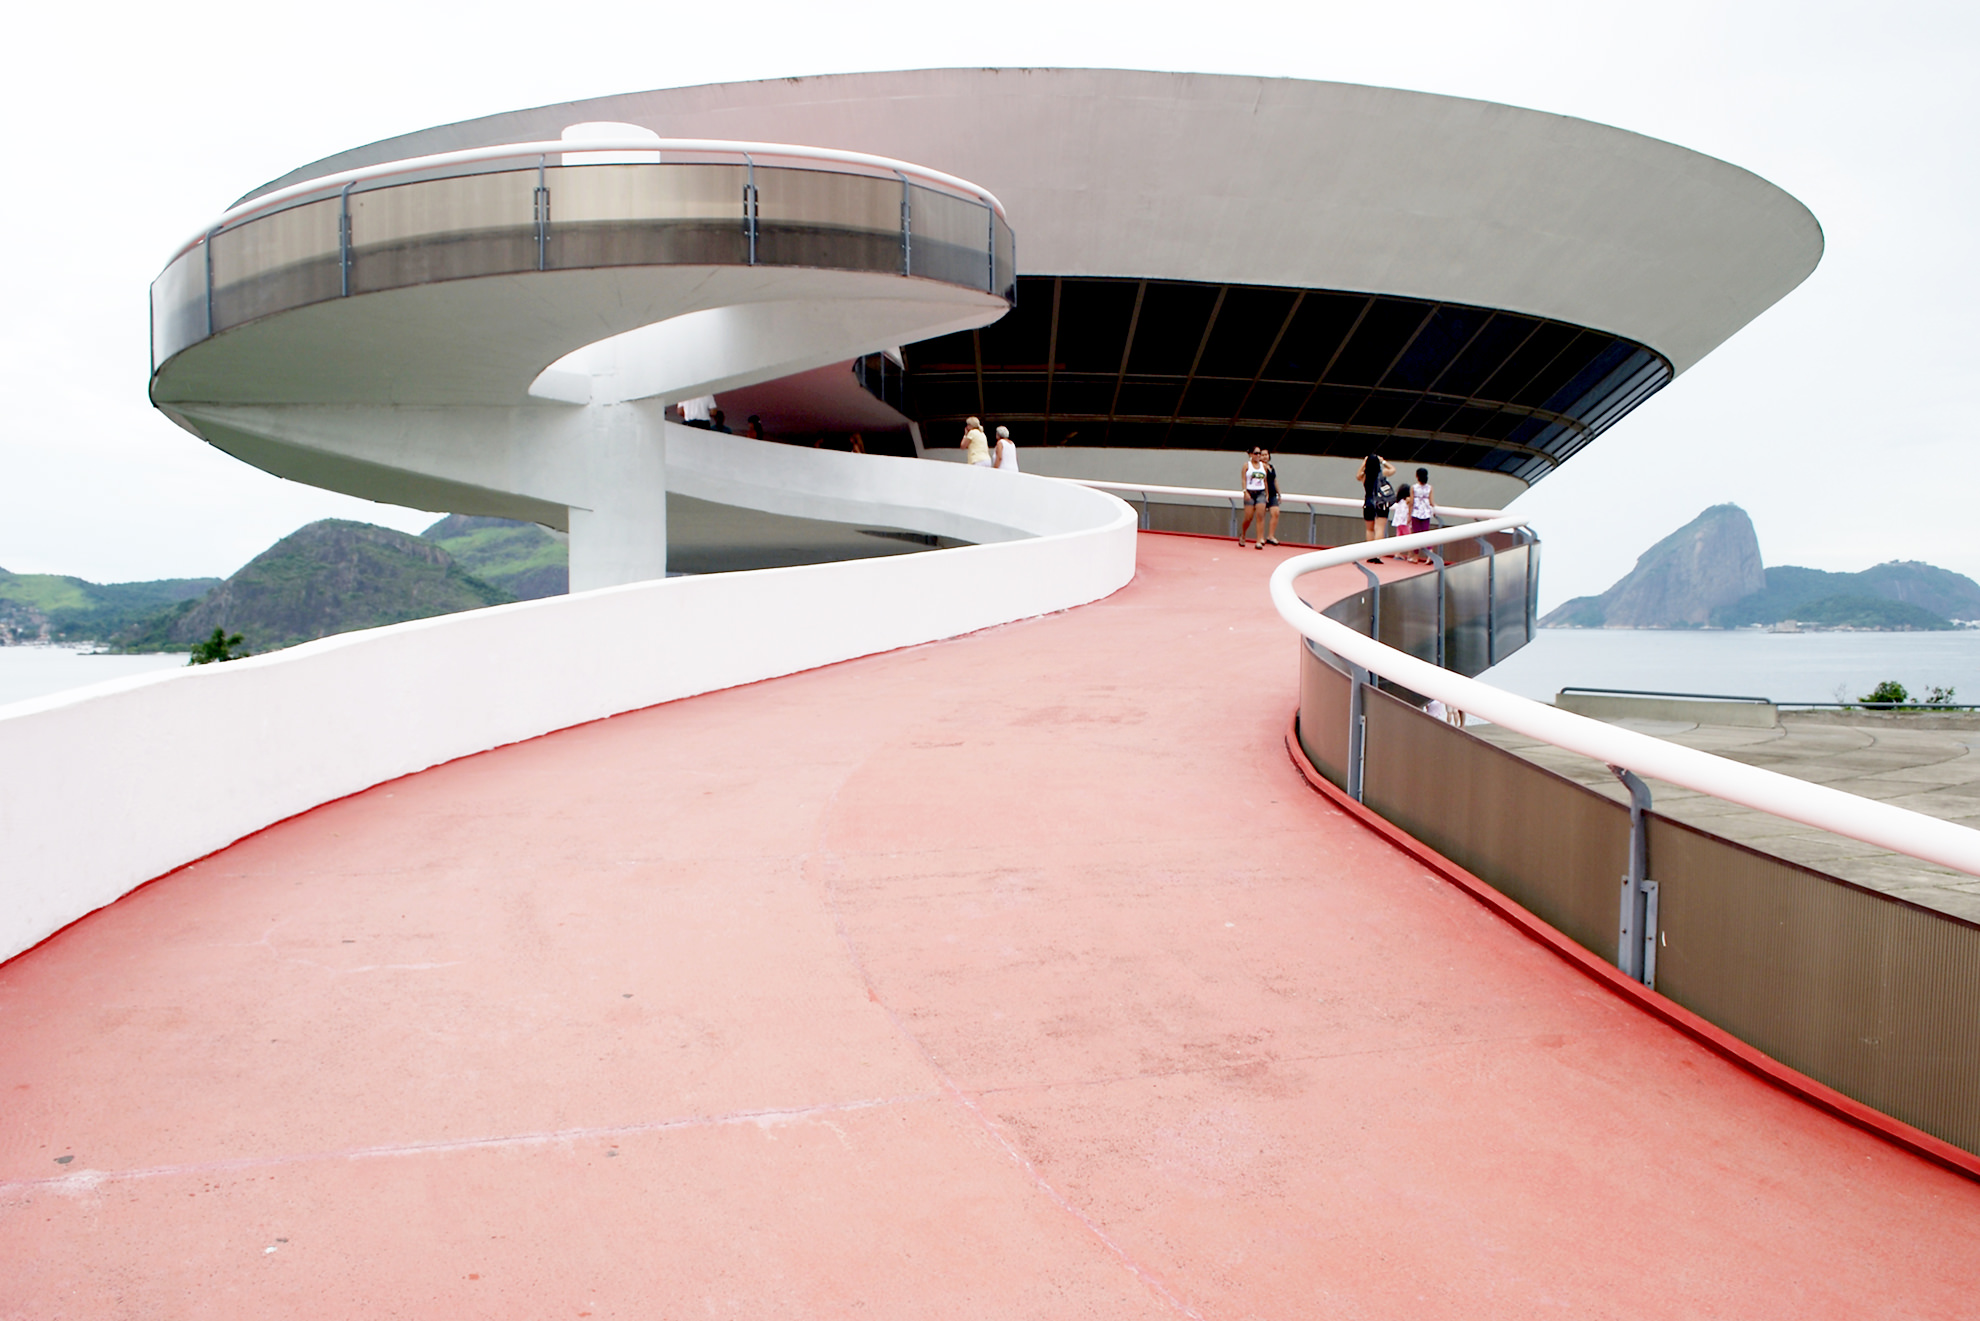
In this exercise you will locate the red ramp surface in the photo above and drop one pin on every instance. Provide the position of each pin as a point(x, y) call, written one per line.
point(1019, 975)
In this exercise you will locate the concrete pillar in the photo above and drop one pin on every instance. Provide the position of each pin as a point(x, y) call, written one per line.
point(622, 536)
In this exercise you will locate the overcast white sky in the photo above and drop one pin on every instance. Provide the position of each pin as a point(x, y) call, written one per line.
point(1828, 418)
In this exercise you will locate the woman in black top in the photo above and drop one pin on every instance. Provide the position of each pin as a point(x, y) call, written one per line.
point(1370, 474)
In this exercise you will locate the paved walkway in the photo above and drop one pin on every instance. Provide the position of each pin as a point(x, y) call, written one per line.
point(1015, 976)
point(1924, 763)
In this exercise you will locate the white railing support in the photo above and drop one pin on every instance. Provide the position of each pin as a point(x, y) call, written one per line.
point(1887, 827)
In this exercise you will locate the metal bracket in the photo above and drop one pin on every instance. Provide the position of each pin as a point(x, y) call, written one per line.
point(1357, 729)
point(542, 209)
point(1637, 930)
point(990, 213)
point(1437, 558)
point(209, 280)
point(344, 243)
point(1374, 601)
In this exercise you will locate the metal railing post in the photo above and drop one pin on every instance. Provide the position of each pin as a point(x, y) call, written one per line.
point(1312, 524)
point(1636, 935)
point(1357, 729)
point(344, 243)
point(1491, 603)
point(542, 211)
point(990, 212)
point(1374, 602)
point(749, 204)
point(907, 226)
point(1437, 558)
point(1234, 517)
point(209, 280)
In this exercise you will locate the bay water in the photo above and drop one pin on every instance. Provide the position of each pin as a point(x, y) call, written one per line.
point(36, 671)
point(1785, 667)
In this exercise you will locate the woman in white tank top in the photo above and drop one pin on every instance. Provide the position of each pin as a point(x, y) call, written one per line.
point(1005, 459)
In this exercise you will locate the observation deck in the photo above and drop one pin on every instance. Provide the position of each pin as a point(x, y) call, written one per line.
point(498, 331)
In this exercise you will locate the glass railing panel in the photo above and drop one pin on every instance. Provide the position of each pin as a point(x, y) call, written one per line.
point(1409, 616)
point(646, 215)
point(1323, 714)
point(951, 238)
point(437, 208)
point(848, 222)
point(1467, 599)
point(443, 229)
point(604, 194)
point(482, 221)
point(178, 305)
point(275, 262)
point(1509, 615)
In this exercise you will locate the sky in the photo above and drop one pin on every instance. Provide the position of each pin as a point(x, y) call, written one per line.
point(1842, 419)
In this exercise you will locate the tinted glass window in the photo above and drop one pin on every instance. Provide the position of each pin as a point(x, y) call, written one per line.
point(1430, 383)
point(1389, 325)
point(1093, 322)
point(1317, 329)
point(1436, 345)
point(1245, 329)
point(1171, 326)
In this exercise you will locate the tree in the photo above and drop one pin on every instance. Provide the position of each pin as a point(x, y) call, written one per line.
point(220, 647)
point(1891, 693)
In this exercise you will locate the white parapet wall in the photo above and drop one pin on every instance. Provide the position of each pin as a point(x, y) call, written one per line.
point(105, 788)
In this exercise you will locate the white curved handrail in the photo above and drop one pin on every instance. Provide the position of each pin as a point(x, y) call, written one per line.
point(1910, 833)
point(1334, 501)
point(587, 146)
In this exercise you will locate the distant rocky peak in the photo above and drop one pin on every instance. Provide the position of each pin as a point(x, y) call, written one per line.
point(1712, 561)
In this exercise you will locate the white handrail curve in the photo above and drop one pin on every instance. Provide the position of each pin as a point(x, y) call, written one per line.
point(1901, 831)
point(1335, 501)
point(587, 146)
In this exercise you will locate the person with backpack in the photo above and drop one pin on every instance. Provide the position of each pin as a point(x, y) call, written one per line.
point(1377, 496)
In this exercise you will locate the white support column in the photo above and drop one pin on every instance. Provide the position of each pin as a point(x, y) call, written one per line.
point(622, 537)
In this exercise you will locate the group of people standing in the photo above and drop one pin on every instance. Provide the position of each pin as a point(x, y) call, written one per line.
point(978, 452)
point(1385, 509)
point(1391, 511)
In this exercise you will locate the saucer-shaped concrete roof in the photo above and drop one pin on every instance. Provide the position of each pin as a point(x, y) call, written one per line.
point(1281, 182)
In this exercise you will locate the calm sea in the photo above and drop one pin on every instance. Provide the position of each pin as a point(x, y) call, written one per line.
point(1787, 667)
point(37, 671)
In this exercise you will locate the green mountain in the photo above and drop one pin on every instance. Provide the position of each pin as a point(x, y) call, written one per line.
point(45, 607)
point(520, 558)
point(1708, 574)
point(329, 577)
point(1914, 595)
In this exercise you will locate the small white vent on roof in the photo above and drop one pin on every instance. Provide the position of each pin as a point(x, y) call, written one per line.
point(605, 130)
